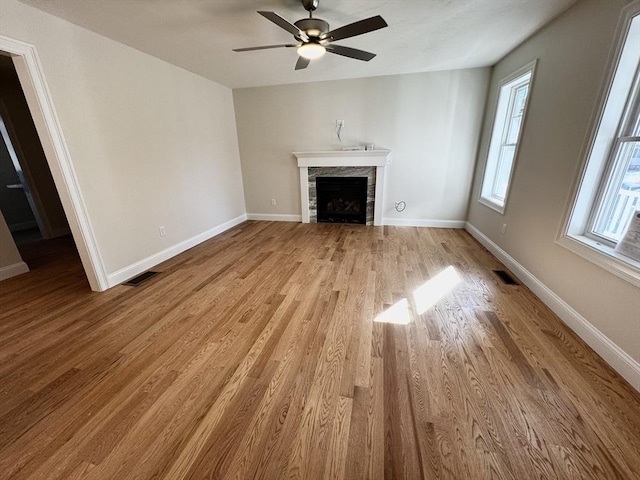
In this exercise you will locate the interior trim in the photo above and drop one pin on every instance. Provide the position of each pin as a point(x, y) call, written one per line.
point(417, 222)
point(617, 358)
point(274, 217)
point(151, 261)
point(30, 72)
point(13, 270)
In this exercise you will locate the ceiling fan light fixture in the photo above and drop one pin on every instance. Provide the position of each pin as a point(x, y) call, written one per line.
point(314, 37)
point(311, 50)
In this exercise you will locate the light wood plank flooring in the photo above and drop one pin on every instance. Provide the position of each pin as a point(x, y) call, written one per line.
point(256, 356)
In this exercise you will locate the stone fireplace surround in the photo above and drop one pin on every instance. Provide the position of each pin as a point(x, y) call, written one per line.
point(368, 172)
point(370, 163)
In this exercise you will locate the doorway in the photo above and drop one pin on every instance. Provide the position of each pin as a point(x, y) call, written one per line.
point(16, 201)
point(29, 201)
point(59, 167)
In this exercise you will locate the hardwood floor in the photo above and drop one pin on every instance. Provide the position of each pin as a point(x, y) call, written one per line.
point(256, 355)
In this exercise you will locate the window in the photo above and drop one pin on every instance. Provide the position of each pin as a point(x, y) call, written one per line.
point(507, 126)
point(622, 191)
point(608, 191)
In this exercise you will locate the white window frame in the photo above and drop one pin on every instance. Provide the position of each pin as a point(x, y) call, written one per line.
point(499, 131)
point(608, 124)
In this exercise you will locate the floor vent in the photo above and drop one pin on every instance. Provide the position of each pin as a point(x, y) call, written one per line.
point(143, 277)
point(505, 277)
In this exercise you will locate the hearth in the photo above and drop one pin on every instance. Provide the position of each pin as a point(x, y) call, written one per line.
point(342, 199)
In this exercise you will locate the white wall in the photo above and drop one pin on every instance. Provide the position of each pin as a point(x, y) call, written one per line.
point(151, 144)
point(430, 121)
point(573, 53)
point(8, 252)
point(11, 263)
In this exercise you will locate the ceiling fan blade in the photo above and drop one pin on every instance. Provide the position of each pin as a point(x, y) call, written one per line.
point(248, 49)
point(302, 63)
point(350, 52)
point(284, 23)
point(357, 28)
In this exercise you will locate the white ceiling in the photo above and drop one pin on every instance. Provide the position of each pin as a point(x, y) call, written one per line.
point(423, 35)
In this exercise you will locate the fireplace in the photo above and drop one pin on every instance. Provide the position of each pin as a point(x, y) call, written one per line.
point(342, 199)
point(337, 163)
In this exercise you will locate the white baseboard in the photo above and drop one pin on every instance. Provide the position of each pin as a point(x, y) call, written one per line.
point(57, 232)
point(274, 217)
point(137, 268)
point(17, 227)
point(399, 222)
point(12, 270)
point(411, 222)
point(60, 232)
point(622, 362)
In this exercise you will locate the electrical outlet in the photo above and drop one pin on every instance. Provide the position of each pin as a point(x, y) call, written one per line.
point(504, 228)
point(273, 202)
point(162, 232)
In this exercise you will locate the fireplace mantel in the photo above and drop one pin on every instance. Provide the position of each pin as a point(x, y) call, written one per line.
point(344, 158)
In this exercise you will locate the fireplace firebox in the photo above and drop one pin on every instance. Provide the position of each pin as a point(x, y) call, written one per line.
point(342, 199)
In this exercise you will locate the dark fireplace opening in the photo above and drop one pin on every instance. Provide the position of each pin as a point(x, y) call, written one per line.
point(342, 199)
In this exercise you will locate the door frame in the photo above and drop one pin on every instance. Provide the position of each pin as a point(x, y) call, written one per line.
point(30, 73)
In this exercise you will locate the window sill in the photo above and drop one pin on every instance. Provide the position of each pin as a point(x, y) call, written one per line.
point(492, 204)
point(603, 256)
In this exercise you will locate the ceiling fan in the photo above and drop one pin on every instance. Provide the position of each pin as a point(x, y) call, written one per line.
point(313, 37)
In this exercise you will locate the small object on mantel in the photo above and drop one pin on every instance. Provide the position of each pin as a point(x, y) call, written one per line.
point(370, 147)
point(355, 148)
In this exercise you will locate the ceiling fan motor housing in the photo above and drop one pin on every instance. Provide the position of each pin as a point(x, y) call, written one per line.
point(313, 27)
point(310, 5)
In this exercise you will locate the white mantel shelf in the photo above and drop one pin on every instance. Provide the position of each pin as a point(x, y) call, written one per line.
point(344, 158)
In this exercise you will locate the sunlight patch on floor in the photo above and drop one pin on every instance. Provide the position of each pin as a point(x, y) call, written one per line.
point(398, 313)
point(436, 288)
point(424, 297)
